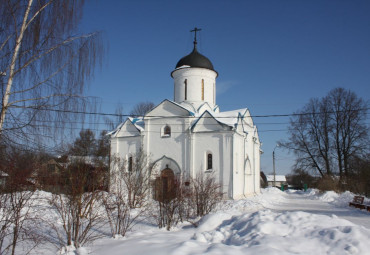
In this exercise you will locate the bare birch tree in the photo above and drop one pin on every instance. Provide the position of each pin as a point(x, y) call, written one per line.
point(44, 64)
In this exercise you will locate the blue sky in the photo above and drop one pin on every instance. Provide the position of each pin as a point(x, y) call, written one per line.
point(271, 56)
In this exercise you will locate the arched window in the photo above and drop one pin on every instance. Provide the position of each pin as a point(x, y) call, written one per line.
point(130, 164)
point(186, 89)
point(166, 131)
point(209, 161)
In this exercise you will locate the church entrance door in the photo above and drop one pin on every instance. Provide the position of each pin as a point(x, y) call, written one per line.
point(165, 186)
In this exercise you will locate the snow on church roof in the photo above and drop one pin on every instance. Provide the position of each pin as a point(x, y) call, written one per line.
point(229, 118)
point(137, 122)
point(187, 107)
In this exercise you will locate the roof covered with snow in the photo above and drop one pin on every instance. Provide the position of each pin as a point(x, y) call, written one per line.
point(3, 174)
point(228, 118)
point(278, 178)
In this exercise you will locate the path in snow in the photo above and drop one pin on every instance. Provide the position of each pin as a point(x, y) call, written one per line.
point(297, 202)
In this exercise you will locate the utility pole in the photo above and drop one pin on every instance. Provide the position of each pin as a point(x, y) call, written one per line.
point(273, 164)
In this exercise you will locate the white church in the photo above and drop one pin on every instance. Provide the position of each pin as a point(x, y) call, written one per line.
point(190, 135)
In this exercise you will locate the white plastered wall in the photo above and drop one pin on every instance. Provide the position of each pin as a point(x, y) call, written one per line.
point(122, 148)
point(220, 145)
point(174, 147)
point(194, 77)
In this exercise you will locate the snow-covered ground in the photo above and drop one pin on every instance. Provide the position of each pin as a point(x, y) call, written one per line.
point(274, 222)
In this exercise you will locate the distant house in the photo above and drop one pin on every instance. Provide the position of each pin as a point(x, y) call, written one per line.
point(56, 175)
point(90, 160)
point(279, 180)
point(49, 176)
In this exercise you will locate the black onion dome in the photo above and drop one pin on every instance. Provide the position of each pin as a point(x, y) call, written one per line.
point(195, 59)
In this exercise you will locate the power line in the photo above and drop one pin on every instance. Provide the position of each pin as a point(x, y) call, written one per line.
point(128, 115)
point(146, 131)
point(152, 124)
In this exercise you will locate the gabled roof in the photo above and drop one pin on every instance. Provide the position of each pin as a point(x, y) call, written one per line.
point(204, 107)
point(278, 178)
point(190, 107)
point(230, 118)
point(205, 115)
point(166, 101)
point(138, 123)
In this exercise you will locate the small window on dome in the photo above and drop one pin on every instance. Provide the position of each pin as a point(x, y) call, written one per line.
point(214, 93)
point(186, 89)
point(202, 89)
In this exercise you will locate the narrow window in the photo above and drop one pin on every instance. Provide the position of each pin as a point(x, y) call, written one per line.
point(202, 90)
point(167, 131)
point(186, 89)
point(209, 161)
point(130, 164)
point(214, 93)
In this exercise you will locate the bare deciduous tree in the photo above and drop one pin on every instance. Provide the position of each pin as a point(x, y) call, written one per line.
point(206, 193)
point(350, 131)
point(141, 109)
point(112, 123)
point(359, 173)
point(129, 192)
point(133, 175)
point(328, 132)
point(5, 223)
point(121, 217)
point(78, 210)
point(170, 208)
point(309, 138)
point(17, 199)
point(186, 200)
point(44, 64)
